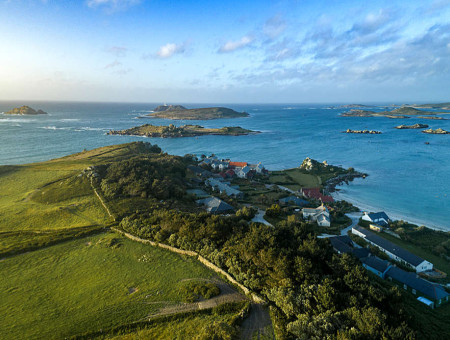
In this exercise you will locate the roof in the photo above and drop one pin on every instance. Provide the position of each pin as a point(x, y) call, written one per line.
point(345, 239)
point(376, 263)
point(215, 205)
point(239, 164)
point(340, 246)
point(246, 169)
point(223, 187)
point(315, 193)
point(379, 215)
point(294, 199)
point(391, 247)
point(361, 253)
point(431, 290)
point(198, 170)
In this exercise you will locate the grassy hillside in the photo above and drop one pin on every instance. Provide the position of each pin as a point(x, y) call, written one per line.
point(89, 284)
point(44, 202)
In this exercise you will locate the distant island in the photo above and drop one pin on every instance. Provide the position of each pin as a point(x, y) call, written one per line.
point(437, 131)
point(171, 131)
point(371, 132)
point(400, 113)
point(444, 106)
point(165, 107)
point(432, 117)
point(207, 113)
point(25, 110)
point(415, 126)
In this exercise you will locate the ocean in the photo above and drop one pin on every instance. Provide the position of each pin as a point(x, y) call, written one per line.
point(408, 178)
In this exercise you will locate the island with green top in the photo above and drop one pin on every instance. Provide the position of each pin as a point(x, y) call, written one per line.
point(402, 112)
point(207, 113)
point(25, 110)
point(172, 131)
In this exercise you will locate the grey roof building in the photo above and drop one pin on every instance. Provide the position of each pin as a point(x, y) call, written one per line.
point(215, 205)
point(394, 251)
point(432, 291)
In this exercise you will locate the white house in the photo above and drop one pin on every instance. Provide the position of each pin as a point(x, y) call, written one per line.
point(243, 172)
point(320, 215)
point(394, 251)
point(379, 218)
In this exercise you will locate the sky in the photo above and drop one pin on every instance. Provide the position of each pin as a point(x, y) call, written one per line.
point(264, 51)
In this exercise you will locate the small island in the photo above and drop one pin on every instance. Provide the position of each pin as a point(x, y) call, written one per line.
point(432, 117)
point(165, 107)
point(443, 106)
point(196, 114)
point(415, 126)
point(25, 110)
point(171, 131)
point(370, 132)
point(400, 113)
point(438, 131)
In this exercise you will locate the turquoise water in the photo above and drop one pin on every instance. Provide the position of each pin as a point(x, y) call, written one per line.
point(408, 179)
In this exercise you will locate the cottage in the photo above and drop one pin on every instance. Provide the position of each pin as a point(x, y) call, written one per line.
point(378, 218)
point(320, 215)
point(376, 265)
point(432, 291)
point(393, 251)
point(342, 244)
point(214, 205)
point(224, 188)
point(316, 194)
point(244, 172)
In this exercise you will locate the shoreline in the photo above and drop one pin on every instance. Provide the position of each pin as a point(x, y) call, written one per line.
point(337, 195)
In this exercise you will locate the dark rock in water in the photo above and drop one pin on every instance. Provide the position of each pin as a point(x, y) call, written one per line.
point(415, 126)
point(436, 132)
point(371, 132)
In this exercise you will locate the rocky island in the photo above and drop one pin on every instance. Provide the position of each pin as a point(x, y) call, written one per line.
point(432, 117)
point(165, 107)
point(171, 131)
point(400, 113)
point(370, 132)
point(415, 126)
point(25, 110)
point(438, 131)
point(443, 106)
point(207, 113)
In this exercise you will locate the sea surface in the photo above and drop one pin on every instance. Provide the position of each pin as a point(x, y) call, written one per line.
point(408, 179)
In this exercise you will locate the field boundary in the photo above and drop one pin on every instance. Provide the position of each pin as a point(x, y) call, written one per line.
point(200, 258)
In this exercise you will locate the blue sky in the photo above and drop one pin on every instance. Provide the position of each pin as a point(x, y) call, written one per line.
point(262, 51)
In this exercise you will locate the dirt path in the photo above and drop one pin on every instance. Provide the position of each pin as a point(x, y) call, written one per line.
point(227, 294)
point(257, 324)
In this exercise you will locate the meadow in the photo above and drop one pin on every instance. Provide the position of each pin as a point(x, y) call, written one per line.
point(89, 284)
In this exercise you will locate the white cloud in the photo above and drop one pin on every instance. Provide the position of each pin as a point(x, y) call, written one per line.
point(113, 64)
point(112, 5)
point(118, 51)
point(168, 50)
point(231, 46)
point(274, 26)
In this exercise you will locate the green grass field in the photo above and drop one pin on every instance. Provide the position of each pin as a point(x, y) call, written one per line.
point(295, 179)
point(88, 284)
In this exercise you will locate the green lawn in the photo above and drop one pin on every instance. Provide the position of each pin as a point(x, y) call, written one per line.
point(87, 284)
point(295, 179)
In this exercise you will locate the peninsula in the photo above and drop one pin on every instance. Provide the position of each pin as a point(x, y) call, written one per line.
point(206, 113)
point(171, 131)
point(25, 110)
